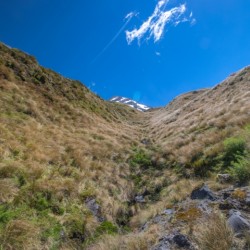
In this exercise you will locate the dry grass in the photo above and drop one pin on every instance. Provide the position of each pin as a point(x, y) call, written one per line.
point(8, 190)
point(170, 196)
point(196, 121)
point(57, 146)
point(213, 234)
point(20, 234)
point(61, 144)
point(132, 241)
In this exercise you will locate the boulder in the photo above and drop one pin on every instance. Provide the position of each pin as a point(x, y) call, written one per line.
point(238, 222)
point(202, 193)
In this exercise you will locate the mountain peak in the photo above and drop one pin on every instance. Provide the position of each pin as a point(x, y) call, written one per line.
point(130, 102)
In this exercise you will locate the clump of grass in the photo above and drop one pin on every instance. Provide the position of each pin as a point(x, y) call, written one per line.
point(8, 190)
point(247, 240)
point(213, 234)
point(142, 241)
point(239, 194)
point(20, 234)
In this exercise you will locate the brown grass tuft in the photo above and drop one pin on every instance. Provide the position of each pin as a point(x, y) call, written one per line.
point(213, 234)
point(20, 234)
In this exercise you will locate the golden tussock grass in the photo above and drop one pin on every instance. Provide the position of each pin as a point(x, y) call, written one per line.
point(8, 190)
point(61, 144)
point(194, 121)
point(213, 233)
point(57, 144)
point(131, 241)
point(20, 234)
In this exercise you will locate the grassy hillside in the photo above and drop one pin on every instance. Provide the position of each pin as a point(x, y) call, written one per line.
point(73, 167)
point(192, 127)
point(59, 145)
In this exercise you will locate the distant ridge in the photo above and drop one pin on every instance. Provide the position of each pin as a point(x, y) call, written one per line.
point(130, 102)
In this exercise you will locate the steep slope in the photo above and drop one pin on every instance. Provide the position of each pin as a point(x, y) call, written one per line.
point(194, 124)
point(187, 143)
point(79, 172)
point(60, 147)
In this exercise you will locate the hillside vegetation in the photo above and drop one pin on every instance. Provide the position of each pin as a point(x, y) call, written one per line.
point(79, 172)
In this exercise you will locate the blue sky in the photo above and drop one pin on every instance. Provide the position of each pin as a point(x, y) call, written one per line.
point(93, 42)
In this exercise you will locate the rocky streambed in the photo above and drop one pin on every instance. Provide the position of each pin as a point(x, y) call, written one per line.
point(178, 222)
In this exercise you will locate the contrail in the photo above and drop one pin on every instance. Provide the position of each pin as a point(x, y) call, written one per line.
point(128, 17)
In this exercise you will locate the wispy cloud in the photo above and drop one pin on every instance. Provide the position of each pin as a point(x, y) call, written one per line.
point(128, 18)
point(155, 25)
point(131, 15)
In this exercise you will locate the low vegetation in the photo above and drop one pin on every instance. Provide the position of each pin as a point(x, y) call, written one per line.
point(61, 147)
point(214, 234)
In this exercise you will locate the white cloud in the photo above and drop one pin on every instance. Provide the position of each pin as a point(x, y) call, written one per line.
point(131, 15)
point(155, 25)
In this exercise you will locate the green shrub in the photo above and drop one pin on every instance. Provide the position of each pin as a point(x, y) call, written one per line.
point(140, 158)
point(234, 148)
point(240, 170)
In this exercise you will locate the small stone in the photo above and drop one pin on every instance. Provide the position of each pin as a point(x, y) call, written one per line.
point(139, 199)
point(145, 141)
point(168, 211)
point(95, 208)
point(62, 235)
point(248, 201)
